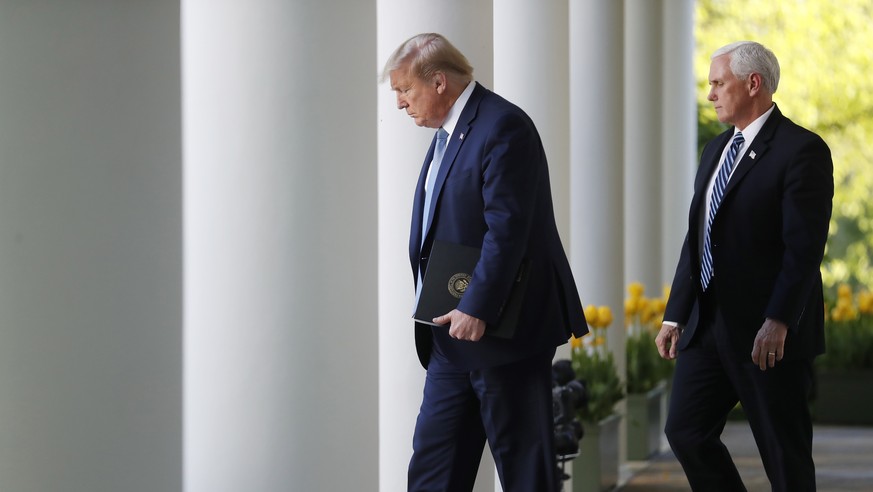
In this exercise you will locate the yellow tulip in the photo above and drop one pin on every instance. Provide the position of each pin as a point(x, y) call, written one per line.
point(844, 302)
point(645, 304)
point(636, 290)
point(575, 343)
point(865, 302)
point(844, 291)
point(647, 315)
point(843, 312)
point(591, 315)
point(604, 316)
point(632, 306)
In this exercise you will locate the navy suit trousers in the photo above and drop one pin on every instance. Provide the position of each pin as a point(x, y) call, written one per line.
point(710, 378)
point(509, 406)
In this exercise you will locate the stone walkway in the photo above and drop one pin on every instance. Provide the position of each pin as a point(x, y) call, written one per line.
point(843, 458)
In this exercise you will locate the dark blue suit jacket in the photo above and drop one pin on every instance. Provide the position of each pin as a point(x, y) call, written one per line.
point(492, 192)
point(768, 239)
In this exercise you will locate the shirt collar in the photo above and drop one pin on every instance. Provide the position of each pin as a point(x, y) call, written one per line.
point(455, 112)
point(751, 131)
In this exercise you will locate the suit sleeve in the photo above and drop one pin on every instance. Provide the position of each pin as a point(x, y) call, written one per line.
point(511, 166)
point(806, 211)
point(683, 289)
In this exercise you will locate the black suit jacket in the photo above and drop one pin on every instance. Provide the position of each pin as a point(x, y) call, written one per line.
point(768, 239)
point(492, 192)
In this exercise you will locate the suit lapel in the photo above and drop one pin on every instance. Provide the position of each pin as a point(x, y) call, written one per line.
point(756, 150)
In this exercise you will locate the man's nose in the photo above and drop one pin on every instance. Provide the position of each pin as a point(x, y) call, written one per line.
point(401, 103)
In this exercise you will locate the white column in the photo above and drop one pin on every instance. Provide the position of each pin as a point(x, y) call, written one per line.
point(531, 69)
point(679, 131)
point(90, 247)
point(280, 246)
point(402, 146)
point(643, 127)
point(596, 156)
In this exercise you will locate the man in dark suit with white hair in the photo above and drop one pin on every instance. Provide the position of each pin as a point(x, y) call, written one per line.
point(746, 312)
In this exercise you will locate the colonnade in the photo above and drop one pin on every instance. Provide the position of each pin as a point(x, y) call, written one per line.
point(204, 212)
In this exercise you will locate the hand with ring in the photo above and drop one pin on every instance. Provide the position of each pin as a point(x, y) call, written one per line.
point(769, 345)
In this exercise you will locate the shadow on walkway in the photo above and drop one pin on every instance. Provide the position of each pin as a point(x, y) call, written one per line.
point(843, 460)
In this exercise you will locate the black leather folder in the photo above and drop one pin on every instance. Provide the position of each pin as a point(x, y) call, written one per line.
point(449, 272)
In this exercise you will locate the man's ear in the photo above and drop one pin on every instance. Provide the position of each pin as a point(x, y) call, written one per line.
point(756, 84)
point(439, 82)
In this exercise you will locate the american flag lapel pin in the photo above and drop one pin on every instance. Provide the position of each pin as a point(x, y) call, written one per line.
point(752, 154)
point(461, 136)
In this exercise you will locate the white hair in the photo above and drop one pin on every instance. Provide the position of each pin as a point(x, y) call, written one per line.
point(748, 57)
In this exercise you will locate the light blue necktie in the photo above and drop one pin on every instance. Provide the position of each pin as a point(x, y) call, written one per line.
point(724, 174)
point(442, 137)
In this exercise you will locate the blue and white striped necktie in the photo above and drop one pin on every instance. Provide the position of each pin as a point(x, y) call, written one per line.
point(724, 174)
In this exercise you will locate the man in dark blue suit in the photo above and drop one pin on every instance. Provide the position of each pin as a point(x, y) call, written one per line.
point(746, 312)
point(490, 190)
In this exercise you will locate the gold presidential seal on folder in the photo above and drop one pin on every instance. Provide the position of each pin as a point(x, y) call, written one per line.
point(458, 284)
